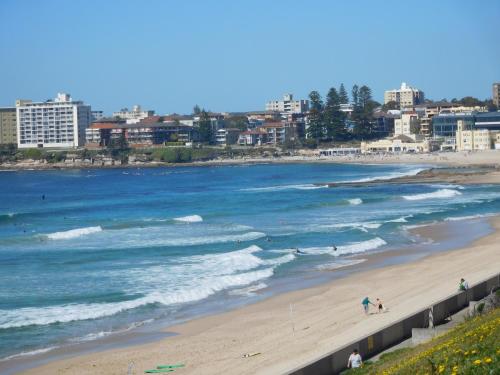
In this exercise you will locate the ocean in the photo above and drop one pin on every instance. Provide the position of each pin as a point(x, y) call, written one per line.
point(85, 254)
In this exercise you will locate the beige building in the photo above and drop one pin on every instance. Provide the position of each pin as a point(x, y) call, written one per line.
point(496, 94)
point(405, 96)
point(473, 140)
point(8, 131)
point(398, 144)
point(407, 125)
point(429, 110)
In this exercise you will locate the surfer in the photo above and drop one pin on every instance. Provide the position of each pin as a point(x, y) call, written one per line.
point(334, 248)
point(297, 251)
point(43, 197)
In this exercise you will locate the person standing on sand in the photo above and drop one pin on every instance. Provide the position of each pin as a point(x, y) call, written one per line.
point(355, 360)
point(365, 304)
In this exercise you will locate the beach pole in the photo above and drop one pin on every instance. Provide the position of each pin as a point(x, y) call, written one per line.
point(291, 319)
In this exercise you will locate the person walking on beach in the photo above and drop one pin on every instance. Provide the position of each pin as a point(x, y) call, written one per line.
point(463, 286)
point(355, 360)
point(365, 304)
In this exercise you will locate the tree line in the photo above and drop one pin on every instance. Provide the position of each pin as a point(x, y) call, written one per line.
point(327, 122)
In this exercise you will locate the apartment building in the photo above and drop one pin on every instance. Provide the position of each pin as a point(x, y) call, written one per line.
point(257, 136)
point(474, 139)
point(407, 125)
point(427, 111)
point(226, 137)
point(288, 105)
point(8, 125)
point(134, 116)
point(141, 134)
point(58, 123)
point(405, 96)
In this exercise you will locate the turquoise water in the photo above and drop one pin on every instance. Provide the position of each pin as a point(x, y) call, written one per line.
point(86, 253)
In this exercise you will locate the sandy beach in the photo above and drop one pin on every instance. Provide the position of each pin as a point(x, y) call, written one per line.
point(323, 318)
point(457, 159)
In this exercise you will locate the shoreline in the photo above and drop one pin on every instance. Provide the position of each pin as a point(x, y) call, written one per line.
point(211, 335)
point(489, 158)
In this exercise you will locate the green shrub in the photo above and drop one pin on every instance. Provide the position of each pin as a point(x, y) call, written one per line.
point(480, 308)
point(173, 154)
point(32, 153)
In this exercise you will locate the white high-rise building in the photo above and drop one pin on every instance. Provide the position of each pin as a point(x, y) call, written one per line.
point(58, 123)
point(405, 96)
point(135, 115)
point(288, 105)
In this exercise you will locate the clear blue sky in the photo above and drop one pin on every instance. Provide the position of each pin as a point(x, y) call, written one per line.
point(228, 55)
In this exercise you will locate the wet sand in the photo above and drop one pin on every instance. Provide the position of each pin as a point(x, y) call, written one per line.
point(323, 318)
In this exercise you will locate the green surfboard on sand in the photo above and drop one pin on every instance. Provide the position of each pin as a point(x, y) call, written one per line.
point(170, 366)
point(159, 371)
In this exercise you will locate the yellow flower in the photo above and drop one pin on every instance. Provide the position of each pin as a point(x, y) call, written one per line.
point(487, 360)
point(474, 352)
point(477, 362)
point(466, 353)
point(441, 369)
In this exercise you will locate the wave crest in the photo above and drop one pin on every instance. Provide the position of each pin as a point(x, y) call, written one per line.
point(355, 201)
point(189, 219)
point(438, 194)
point(73, 233)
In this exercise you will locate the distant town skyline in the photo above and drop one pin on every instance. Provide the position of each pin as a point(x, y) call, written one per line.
point(230, 56)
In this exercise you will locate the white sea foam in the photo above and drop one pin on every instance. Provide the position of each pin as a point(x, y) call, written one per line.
point(339, 264)
point(401, 219)
point(29, 353)
point(470, 217)
point(248, 291)
point(72, 312)
point(102, 334)
point(278, 261)
point(73, 233)
point(352, 248)
point(355, 201)
point(411, 172)
point(438, 194)
point(287, 187)
point(361, 226)
point(190, 219)
point(448, 186)
point(184, 279)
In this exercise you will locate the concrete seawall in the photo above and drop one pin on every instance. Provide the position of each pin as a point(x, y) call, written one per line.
point(336, 361)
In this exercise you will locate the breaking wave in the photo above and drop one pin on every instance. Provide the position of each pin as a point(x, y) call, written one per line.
point(287, 187)
point(438, 194)
point(355, 201)
point(353, 248)
point(389, 176)
point(73, 233)
point(72, 312)
point(190, 219)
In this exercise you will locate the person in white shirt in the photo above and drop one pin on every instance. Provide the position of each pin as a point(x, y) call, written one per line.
point(355, 360)
point(464, 285)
